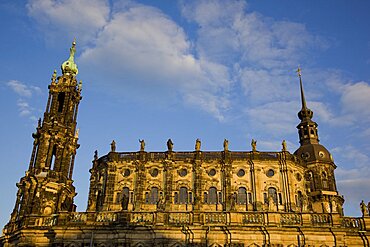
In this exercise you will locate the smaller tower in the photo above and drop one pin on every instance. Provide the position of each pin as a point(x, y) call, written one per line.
point(321, 185)
point(47, 188)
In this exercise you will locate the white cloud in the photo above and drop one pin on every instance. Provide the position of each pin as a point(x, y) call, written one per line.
point(352, 174)
point(24, 108)
point(355, 100)
point(147, 48)
point(277, 118)
point(69, 17)
point(20, 88)
point(25, 93)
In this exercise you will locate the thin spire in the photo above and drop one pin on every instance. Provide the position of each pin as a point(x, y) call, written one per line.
point(299, 72)
point(304, 113)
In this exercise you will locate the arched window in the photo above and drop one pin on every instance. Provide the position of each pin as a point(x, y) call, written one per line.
point(153, 199)
point(242, 195)
point(53, 155)
point(125, 198)
point(147, 197)
point(212, 195)
point(272, 193)
point(324, 181)
point(183, 195)
point(126, 192)
point(61, 97)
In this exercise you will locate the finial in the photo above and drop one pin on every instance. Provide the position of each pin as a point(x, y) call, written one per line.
point(79, 87)
point(69, 66)
point(96, 155)
point(299, 72)
point(54, 76)
point(39, 123)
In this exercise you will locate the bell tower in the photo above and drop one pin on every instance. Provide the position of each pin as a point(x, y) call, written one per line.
point(47, 188)
point(320, 179)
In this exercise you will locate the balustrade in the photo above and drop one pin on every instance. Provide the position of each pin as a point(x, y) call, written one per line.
point(179, 218)
point(253, 218)
point(350, 222)
point(290, 219)
point(215, 218)
point(320, 219)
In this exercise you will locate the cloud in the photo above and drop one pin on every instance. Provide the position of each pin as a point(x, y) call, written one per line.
point(25, 93)
point(278, 118)
point(260, 52)
point(24, 108)
point(139, 51)
point(69, 17)
point(147, 50)
point(352, 174)
point(20, 88)
point(355, 100)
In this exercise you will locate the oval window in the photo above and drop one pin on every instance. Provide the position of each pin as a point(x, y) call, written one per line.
point(270, 173)
point(212, 172)
point(241, 173)
point(154, 172)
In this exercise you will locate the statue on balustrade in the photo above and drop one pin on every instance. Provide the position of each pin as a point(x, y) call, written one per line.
point(142, 145)
point(254, 145)
point(363, 208)
point(197, 145)
point(169, 145)
point(113, 146)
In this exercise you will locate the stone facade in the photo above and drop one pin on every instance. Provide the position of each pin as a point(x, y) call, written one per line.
point(195, 198)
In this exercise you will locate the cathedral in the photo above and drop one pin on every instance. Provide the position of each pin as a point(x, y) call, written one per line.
point(177, 198)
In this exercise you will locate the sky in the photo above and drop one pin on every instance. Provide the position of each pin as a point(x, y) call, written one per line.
point(184, 70)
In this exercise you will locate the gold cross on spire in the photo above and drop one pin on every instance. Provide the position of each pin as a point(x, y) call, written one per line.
point(299, 72)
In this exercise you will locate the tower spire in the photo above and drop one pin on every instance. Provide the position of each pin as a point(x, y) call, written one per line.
point(299, 72)
point(304, 113)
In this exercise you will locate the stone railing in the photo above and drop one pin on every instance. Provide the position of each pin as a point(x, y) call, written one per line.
point(106, 217)
point(290, 219)
point(215, 218)
point(47, 220)
point(183, 218)
point(147, 218)
point(253, 218)
point(354, 223)
point(321, 219)
point(78, 217)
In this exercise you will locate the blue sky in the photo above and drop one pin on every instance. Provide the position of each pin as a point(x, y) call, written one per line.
point(184, 70)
